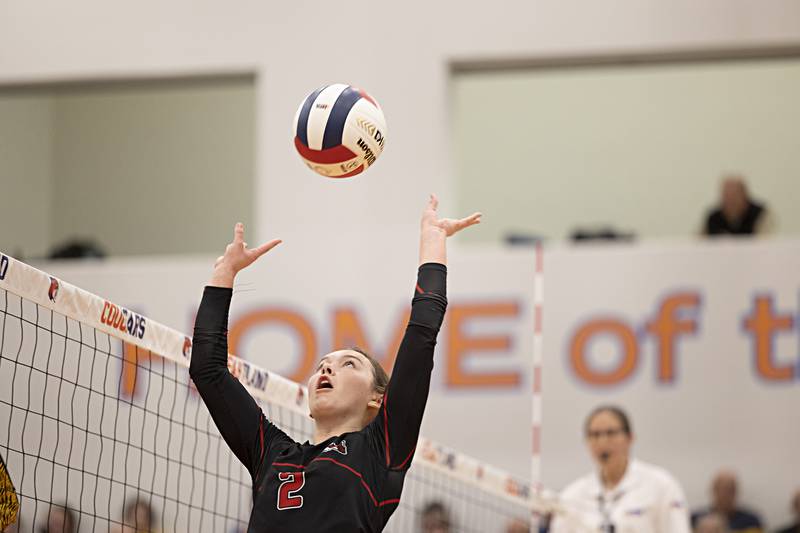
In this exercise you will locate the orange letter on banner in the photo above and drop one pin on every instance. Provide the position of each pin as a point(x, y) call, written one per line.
point(347, 333)
point(762, 325)
point(459, 345)
point(630, 352)
point(132, 357)
point(295, 321)
point(668, 326)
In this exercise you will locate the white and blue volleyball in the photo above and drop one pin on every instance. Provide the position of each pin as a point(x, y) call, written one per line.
point(339, 131)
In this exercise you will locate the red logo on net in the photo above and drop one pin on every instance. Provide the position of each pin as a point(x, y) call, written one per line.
point(52, 292)
point(123, 320)
point(187, 346)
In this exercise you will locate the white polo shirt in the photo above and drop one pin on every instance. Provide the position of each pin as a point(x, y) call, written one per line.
point(647, 500)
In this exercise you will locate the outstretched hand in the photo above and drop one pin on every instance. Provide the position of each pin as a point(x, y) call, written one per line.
point(450, 226)
point(434, 232)
point(237, 257)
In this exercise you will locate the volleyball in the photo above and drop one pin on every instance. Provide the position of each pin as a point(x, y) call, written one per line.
point(339, 131)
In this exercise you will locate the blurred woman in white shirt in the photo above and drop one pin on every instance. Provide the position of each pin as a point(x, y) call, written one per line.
point(623, 495)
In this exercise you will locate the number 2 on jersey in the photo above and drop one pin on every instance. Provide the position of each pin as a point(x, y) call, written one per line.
point(291, 483)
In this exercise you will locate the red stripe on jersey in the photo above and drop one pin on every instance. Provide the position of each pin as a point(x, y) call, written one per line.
point(419, 289)
point(334, 461)
point(289, 464)
point(407, 458)
point(386, 430)
point(337, 154)
point(261, 437)
point(389, 502)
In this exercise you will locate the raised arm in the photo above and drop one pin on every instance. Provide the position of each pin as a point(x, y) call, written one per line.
point(236, 414)
point(434, 231)
point(407, 393)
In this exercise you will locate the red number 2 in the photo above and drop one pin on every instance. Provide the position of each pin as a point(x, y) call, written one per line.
point(291, 483)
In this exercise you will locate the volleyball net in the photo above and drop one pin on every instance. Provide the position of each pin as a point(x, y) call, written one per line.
point(101, 428)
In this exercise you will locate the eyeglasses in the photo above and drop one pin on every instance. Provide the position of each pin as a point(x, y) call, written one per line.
point(610, 433)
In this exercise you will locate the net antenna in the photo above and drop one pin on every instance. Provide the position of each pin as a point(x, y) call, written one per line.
point(544, 502)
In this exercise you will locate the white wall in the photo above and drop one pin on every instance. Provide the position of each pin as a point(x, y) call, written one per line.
point(139, 169)
point(149, 170)
point(639, 148)
point(26, 180)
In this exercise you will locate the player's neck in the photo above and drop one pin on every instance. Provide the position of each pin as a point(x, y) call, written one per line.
point(327, 428)
point(613, 472)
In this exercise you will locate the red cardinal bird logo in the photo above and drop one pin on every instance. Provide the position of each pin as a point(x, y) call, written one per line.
point(53, 292)
point(340, 447)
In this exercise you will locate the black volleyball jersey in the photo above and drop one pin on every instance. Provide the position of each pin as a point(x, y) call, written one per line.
point(348, 483)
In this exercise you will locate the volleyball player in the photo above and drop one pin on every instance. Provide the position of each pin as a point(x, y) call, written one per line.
point(350, 476)
point(623, 494)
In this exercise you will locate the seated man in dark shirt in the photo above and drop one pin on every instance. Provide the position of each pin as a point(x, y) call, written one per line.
point(723, 493)
point(737, 213)
point(711, 523)
point(794, 528)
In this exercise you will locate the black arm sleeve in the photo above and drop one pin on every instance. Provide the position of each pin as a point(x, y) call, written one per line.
point(236, 414)
point(404, 403)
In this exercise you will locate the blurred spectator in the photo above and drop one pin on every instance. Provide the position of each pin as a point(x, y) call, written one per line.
point(601, 234)
point(137, 517)
point(435, 518)
point(623, 493)
point(794, 528)
point(724, 489)
point(737, 213)
point(544, 523)
point(77, 249)
point(60, 520)
point(522, 239)
point(518, 525)
point(711, 523)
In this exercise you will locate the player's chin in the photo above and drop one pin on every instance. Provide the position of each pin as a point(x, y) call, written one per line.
point(322, 403)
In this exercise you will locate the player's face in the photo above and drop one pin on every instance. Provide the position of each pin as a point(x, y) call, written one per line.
point(606, 438)
point(342, 386)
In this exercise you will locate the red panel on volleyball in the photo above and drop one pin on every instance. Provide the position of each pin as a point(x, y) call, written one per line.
point(337, 154)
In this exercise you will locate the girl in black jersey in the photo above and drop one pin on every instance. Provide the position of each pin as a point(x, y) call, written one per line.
point(350, 477)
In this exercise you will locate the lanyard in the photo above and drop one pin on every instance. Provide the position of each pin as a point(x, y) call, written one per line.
point(606, 525)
